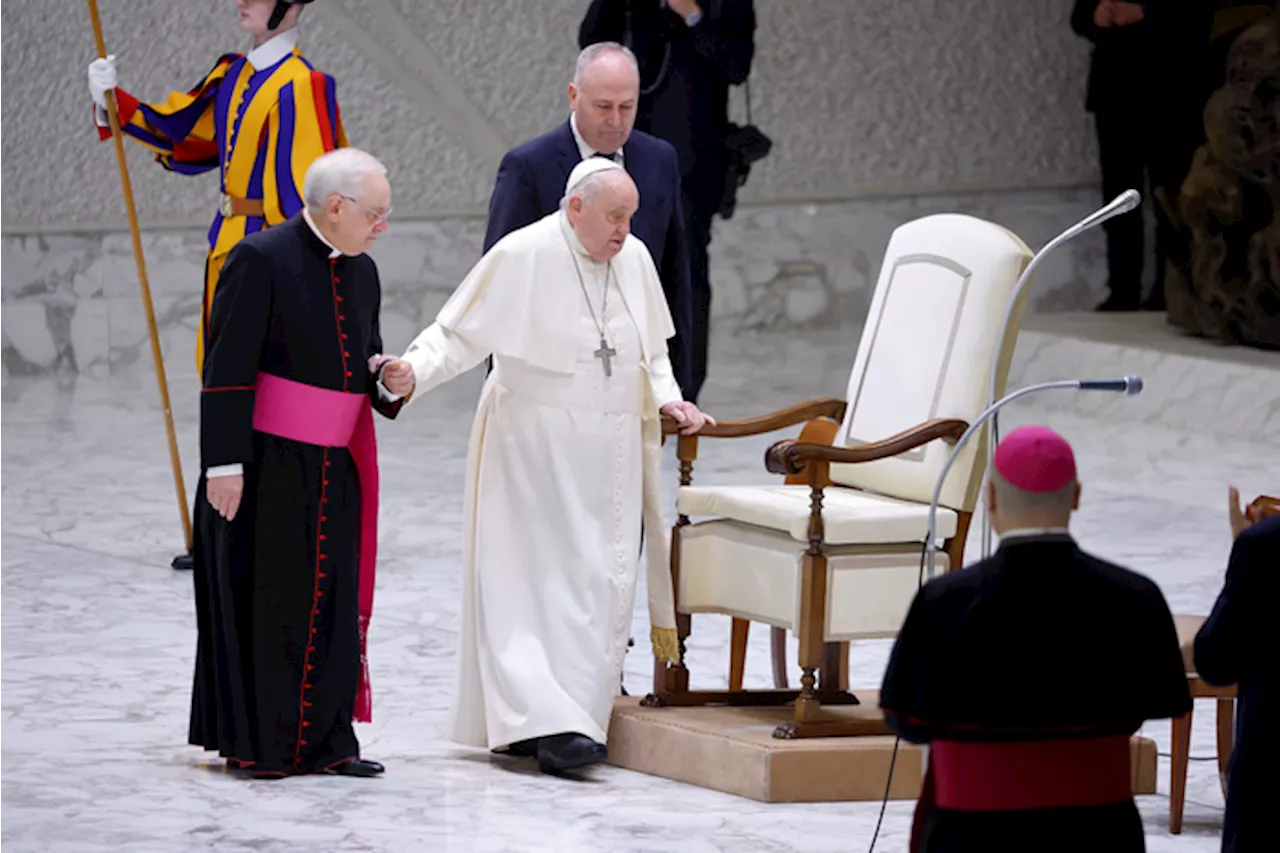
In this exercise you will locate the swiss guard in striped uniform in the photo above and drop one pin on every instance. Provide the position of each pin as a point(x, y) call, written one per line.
point(260, 119)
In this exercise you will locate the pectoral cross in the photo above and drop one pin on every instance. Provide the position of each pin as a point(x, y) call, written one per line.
point(605, 353)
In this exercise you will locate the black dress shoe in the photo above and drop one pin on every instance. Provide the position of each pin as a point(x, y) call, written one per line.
point(569, 751)
point(183, 562)
point(524, 748)
point(358, 767)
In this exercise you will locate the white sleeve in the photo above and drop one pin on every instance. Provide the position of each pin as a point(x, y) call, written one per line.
point(235, 469)
point(438, 355)
point(662, 378)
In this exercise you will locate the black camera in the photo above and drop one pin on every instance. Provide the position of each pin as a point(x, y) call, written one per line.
point(744, 145)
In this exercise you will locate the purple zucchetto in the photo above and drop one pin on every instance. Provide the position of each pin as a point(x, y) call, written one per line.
point(1035, 459)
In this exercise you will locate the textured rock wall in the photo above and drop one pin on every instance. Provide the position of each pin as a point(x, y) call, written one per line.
point(861, 99)
point(71, 301)
point(879, 113)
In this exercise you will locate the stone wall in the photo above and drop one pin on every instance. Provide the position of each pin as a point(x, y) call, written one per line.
point(878, 112)
point(71, 301)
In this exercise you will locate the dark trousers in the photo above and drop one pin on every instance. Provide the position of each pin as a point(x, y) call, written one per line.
point(697, 218)
point(1147, 148)
point(1122, 149)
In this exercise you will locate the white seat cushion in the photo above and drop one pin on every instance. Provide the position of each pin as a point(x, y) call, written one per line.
point(748, 572)
point(850, 517)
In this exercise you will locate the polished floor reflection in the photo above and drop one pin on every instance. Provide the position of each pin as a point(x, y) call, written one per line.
point(98, 635)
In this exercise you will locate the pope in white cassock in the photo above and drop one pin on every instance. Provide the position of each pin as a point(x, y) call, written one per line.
point(562, 466)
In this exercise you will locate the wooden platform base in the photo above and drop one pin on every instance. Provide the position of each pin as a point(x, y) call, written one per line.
point(733, 750)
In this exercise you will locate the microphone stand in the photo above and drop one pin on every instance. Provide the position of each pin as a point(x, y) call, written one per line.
point(1129, 386)
point(1123, 203)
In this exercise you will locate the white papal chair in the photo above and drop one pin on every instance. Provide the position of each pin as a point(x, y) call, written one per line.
point(835, 553)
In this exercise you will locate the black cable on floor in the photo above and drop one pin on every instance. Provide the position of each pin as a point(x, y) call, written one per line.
point(884, 803)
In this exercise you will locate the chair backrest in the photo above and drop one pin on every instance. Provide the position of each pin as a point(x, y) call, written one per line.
point(927, 349)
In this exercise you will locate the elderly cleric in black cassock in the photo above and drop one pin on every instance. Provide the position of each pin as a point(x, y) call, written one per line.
point(1026, 674)
point(284, 590)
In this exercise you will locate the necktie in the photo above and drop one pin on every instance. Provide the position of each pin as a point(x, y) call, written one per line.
point(613, 157)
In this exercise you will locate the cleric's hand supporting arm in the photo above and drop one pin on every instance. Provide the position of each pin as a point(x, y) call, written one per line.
point(237, 331)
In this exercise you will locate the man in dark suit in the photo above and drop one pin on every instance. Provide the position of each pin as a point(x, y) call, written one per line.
point(1146, 90)
point(602, 101)
point(1239, 644)
point(690, 53)
point(1028, 672)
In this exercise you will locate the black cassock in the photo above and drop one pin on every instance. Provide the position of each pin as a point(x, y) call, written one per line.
point(1240, 644)
point(1038, 643)
point(279, 654)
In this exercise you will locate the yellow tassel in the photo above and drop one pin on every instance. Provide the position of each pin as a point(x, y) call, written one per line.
point(666, 644)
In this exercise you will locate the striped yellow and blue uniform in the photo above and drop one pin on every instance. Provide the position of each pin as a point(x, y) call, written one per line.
point(260, 127)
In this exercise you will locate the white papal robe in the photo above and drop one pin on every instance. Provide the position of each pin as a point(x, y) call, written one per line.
point(556, 478)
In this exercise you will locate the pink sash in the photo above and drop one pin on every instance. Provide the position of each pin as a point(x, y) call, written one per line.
point(327, 418)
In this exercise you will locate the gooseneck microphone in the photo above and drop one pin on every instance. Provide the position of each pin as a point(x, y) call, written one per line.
point(1123, 203)
point(1129, 386)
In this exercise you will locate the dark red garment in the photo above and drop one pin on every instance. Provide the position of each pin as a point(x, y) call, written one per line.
point(978, 776)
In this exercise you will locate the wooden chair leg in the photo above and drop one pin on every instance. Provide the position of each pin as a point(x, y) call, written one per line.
point(738, 652)
point(830, 671)
point(813, 598)
point(817, 431)
point(1178, 774)
point(1226, 737)
point(778, 645)
point(844, 666)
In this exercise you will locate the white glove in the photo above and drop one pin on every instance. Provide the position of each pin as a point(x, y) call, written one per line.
point(102, 79)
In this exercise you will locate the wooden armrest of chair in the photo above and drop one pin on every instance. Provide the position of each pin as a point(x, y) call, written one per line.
point(793, 457)
point(781, 419)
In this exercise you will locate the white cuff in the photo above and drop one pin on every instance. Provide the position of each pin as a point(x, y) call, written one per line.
point(100, 116)
point(235, 469)
point(384, 393)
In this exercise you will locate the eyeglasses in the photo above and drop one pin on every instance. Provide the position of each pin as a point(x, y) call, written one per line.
point(378, 218)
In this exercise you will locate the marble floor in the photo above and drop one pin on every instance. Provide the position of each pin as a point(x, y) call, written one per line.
point(98, 636)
